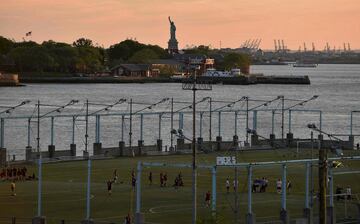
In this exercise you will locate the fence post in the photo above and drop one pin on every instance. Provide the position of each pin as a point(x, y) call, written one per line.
point(219, 123)
point(289, 121)
point(320, 118)
point(181, 120)
point(250, 218)
point(201, 124)
point(73, 130)
point(235, 124)
point(97, 128)
point(213, 207)
point(52, 131)
point(284, 216)
point(351, 123)
point(273, 122)
point(122, 127)
point(2, 133)
point(139, 219)
point(29, 132)
point(255, 120)
point(160, 115)
point(141, 126)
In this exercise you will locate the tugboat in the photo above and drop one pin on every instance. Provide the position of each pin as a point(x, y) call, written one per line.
point(9, 80)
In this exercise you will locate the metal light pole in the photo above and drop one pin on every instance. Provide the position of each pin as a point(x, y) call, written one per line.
point(58, 108)
point(39, 159)
point(282, 116)
point(194, 154)
point(247, 119)
point(194, 87)
point(130, 131)
point(322, 177)
point(172, 125)
point(210, 122)
point(86, 127)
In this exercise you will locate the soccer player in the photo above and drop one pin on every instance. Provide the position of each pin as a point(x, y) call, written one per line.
point(207, 199)
point(289, 186)
point(227, 183)
point(348, 193)
point(133, 182)
point(115, 176)
point(161, 179)
point(150, 178)
point(278, 186)
point(165, 179)
point(109, 185)
point(13, 186)
point(235, 183)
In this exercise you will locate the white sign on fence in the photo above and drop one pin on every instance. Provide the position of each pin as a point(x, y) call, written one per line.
point(225, 160)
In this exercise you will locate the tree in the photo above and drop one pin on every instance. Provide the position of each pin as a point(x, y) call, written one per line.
point(235, 60)
point(143, 56)
point(65, 56)
point(83, 42)
point(5, 45)
point(201, 49)
point(126, 49)
point(34, 58)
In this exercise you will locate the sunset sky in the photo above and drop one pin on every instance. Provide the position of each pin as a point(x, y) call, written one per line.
point(206, 22)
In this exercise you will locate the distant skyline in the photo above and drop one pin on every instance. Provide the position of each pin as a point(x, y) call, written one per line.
point(206, 22)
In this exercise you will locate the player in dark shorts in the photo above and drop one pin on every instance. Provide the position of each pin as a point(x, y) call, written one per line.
point(150, 178)
point(207, 199)
point(161, 179)
point(165, 179)
point(109, 185)
point(133, 182)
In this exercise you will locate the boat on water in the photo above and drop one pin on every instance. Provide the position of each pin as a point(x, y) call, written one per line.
point(9, 80)
point(215, 73)
point(304, 65)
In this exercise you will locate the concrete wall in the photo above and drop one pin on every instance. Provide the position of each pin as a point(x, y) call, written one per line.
point(32, 155)
point(292, 142)
point(2, 157)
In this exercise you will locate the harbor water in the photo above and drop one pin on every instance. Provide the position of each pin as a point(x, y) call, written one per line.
point(338, 87)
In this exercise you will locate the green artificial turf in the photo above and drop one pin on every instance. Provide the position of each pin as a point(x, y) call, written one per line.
point(64, 190)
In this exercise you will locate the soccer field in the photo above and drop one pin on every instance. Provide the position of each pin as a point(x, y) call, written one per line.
point(64, 190)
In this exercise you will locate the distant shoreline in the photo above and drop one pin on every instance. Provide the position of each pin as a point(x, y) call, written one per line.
point(241, 80)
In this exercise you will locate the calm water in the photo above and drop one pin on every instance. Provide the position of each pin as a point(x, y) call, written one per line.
point(337, 85)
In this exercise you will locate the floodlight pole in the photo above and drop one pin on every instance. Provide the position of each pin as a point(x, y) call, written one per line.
point(172, 125)
point(86, 127)
point(247, 119)
point(282, 116)
point(236, 191)
point(210, 122)
point(194, 87)
point(39, 159)
point(130, 131)
point(322, 184)
point(194, 154)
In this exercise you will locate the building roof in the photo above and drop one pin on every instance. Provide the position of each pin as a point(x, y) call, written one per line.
point(133, 67)
point(166, 62)
point(184, 57)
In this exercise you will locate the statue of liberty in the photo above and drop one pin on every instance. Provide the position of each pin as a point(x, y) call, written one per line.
point(172, 29)
point(173, 43)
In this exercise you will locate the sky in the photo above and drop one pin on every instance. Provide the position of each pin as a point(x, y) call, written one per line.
point(207, 22)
